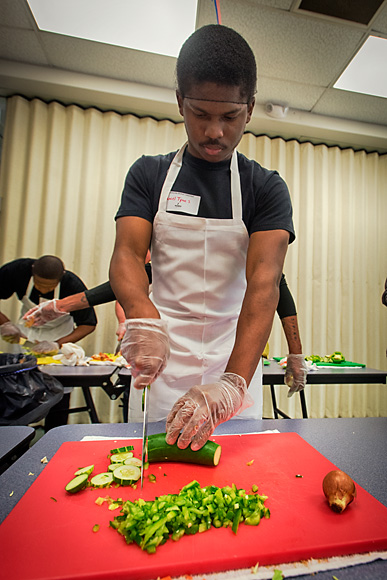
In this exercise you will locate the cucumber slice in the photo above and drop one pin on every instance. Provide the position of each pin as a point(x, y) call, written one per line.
point(114, 466)
point(122, 449)
point(120, 457)
point(102, 479)
point(126, 474)
point(78, 483)
point(88, 470)
point(133, 461)
point(159, 451)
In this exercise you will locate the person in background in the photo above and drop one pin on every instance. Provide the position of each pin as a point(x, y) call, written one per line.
point(101, 294)
point(219, 226)
point(34, 281)
point(296, 369)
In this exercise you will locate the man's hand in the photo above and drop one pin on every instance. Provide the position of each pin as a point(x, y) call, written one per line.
point(295, 374)
point(203, 407)
point(45, 312)
point(11, 333)
point(145, 346)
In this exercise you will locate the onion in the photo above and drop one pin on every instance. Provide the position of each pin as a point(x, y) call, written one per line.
point(339, 489)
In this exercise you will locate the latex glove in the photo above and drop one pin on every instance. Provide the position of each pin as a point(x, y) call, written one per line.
point(45, 312)
point(120, 331)
point(45, 347)
point(203, 407)
point(295, 374)
point(145, 346)
point(11, 333)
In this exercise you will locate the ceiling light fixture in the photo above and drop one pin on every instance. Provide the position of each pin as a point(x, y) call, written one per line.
point(367, 72)
point(149, 25)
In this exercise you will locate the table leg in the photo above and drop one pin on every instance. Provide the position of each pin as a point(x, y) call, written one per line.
point(274, 401)
point(90, 404)
point(303, 404)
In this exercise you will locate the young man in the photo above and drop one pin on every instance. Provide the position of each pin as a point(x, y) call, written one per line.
point(34, 282)
point(218, 226)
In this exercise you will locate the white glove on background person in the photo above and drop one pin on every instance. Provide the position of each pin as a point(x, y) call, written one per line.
point(145, 346)
point(45, 312)
point(45, 347)
point(11, 333)
point(120, 331)
point(204, 407)
point(295, 373)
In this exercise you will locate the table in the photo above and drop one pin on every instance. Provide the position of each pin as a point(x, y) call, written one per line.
point(116, 380)
point(104, 376)
point(354, 445)
point(273, 374)
point(14, 441)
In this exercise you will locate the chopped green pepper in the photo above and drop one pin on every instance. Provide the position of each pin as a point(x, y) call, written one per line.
point(194, 509)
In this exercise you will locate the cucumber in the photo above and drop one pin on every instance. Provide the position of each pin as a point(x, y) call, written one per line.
point(78, 483)
point(122, 449)
point(102, 479)
point(88, 470)
point(133, 461)
point(126, 474)
point(114, 466)
point(159, 451)
point(120, 457)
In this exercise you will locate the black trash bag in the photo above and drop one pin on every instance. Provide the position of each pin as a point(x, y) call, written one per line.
point(26, 393)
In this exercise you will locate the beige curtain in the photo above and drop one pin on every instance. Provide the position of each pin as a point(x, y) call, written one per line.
point(62, 173)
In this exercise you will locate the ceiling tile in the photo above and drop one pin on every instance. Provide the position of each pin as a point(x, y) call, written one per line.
point(380, 22)
point(16, 13)
point(294, 95)
point(355, 106)
point(24, 47)
point(109, 61)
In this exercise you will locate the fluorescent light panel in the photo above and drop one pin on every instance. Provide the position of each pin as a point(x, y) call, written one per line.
point(367, 72)
point(159, 26)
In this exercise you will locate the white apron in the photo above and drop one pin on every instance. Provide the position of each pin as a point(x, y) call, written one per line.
point(50, 331)
point(198, 282)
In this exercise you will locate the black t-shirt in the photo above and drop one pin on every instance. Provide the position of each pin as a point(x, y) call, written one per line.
point(266, 201)
point(15, 277)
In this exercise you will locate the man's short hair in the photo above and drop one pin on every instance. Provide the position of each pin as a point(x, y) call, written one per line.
point(217, 54)
point(49, 268)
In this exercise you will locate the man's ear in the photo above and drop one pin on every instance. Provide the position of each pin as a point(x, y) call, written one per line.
point(250, 109)
point(180, 102)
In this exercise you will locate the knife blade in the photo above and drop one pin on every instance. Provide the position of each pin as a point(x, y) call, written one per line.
point(144, 453)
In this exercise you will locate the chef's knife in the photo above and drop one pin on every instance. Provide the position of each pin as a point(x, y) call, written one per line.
point(144, 454)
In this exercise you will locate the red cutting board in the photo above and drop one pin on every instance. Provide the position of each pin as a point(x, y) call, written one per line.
point(48, 535)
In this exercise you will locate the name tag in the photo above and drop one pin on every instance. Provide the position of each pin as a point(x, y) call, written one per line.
point(184, 202)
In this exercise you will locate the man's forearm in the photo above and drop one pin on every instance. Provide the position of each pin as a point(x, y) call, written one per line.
point(77, 334)
point(253, 331)
point(292, 333)
point(73, 302)
point(130, 284)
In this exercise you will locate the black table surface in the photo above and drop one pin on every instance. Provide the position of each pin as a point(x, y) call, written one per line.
point(80, 375)
point(13, 439)
point(273, 374)
point(357, 446)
